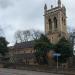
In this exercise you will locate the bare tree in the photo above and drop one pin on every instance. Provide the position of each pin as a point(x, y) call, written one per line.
point(35, 34)
point(18, 36)
point(27, 35)
point(22, 36)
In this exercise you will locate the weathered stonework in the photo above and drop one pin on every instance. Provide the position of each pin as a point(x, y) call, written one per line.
point(55, 22)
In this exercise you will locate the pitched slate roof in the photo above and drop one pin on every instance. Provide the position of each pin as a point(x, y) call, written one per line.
point(29, 44)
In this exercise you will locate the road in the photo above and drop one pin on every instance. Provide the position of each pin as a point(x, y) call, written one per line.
point(22, 72)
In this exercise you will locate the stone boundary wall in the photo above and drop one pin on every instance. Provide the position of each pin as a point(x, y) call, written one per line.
point(46, 68)
point(41, 68)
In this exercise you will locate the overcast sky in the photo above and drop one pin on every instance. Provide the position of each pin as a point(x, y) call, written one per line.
point(28, 14)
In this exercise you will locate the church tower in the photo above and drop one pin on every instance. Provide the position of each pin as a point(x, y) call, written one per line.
point(55, 22)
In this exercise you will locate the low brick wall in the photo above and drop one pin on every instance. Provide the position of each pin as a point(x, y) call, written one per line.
point(41, 68)
point(31, 67)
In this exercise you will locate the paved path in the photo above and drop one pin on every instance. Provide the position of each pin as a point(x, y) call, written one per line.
point(22, 72)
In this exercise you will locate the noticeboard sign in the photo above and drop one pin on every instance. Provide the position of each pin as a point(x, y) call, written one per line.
point(56, 54)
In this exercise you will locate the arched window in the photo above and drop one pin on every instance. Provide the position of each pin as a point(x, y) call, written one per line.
point(55, 23)
point(50, 24)
point(62, 19)
point(64, 22)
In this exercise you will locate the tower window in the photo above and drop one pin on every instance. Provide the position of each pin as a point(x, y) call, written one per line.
point(50, 24)
point(62, 19)
point(55, 23)
point(64, 22)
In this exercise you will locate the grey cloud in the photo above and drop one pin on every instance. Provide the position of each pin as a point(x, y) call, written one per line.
point(5, 3)
point(28, 14)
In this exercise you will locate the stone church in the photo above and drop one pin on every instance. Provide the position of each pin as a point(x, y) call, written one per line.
point(55, 28)
point(55, 22)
